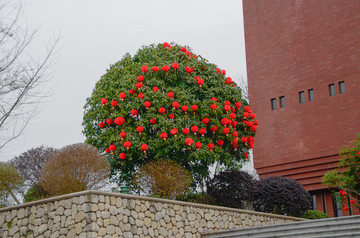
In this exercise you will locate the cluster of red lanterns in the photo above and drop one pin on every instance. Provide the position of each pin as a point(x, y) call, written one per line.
point(248, 117)
point(344, 194)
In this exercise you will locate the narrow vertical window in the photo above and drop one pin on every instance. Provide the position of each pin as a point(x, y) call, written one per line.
point(332, 89)
point(311, 94)
point(282, 101)
point(302, 97)
point(273, 103)
point(342, 87)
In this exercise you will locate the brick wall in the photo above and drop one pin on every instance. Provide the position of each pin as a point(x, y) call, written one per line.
point(293, 46)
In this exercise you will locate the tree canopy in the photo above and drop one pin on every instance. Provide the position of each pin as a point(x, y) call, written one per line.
point(165, 102)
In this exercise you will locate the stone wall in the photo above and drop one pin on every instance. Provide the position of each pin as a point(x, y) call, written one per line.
point(103, 214)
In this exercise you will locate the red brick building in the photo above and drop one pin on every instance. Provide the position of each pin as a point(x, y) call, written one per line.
point(303, 65)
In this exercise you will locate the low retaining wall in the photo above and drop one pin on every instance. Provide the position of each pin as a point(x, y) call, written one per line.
point(103, 214)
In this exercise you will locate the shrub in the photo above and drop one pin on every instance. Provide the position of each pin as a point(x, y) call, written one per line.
point(232, 188)
point(163, 178)
point(315, 214)
point(36, 192)
point(74, 168)
point(282, 196)
point(10, 183)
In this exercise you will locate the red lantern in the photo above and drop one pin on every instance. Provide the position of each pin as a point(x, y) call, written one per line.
point(213, 107)
point(134, 112)
point(253, 128)
point(246, 155)
point(101, 125)
point(188, 141)
point(139, 129)
point(235, 146)
point(220, 143)
point(346, 208)
point(175, 105)
point(161, 110)
point(119, 121)
point(232, 116)
point(166, 45)
point(250, 124)
point(165, 68)
point(246, 109)
point(257, 123)
point(194, 108)
point(144, 147)
point(252, 116)
point(140, 78)
point(213, 128)
point(243, 139)
point(224, 121)
point(352, 201)
point(213, 99)
point(141, 95)
point(235, 134)
point(104, 101)
point(183, 49)
point(170, 94)
point(227, 103)
point(122, 96)
point(175, 66)
point(155, 69)
point(127, 144)
point(211, 146)
point(152, 121)
point(194, 129)
point(147, 104)
point(184, 108)
point(107, 150)
point(223, 71)
point(122, 135)
point(344, 193)
point(238, 105)
point(218, 70)
point(226, 131)
point(122, 156)
point(189, 70)
point(185, 131)
point(228, 81)
point(202, 131)
point(132, 91)
point(234, 123)
point(245, 114)
point(163, 135)
point(227, 108)
point(139, 85)
point(144, 68)
point(171, 116)
point(109, 121)
point(173, 132)
point(112, 148)
point(198, 145)
point(155, 89)
point(200, 82)
point(205, 120)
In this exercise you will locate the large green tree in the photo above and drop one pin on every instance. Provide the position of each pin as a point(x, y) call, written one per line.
point(168, 103)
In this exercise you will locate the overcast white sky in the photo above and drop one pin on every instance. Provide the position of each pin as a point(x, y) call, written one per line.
point(97, 33)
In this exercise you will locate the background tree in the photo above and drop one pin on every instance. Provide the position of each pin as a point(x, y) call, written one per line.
point(74, 168)
point(21, 75)
point(163, 178)
point(30, 163)
point(280, 195)
point(232, 188)
point(10, 181)
point(349, 179)
point(177, 105)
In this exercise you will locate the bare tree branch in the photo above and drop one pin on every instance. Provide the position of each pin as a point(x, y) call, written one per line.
point(21, 75)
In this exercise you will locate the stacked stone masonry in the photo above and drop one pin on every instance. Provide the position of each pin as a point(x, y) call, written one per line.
point(101, 214)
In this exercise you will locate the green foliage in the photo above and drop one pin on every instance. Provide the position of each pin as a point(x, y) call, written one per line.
point(122, 77)
point(315, 214)
point(349, 164)
point(10, 181)
point(202, 198)
point(36, 192)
